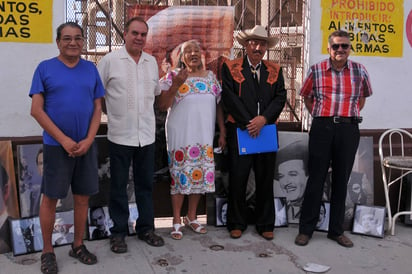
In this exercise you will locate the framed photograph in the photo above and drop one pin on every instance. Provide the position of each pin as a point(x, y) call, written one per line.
point(26, 235)
point(292, 159)
point(9, 204)
point(133, 216)
point(103, 161)
point(30, 173)
point(221, 211)
point(63, 231)
point(324, 213)
point(99, 223)
point(281, 215)
point(369, 220)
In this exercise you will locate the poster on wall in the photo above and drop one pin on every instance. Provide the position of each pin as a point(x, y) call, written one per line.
point(26, 21)
point(375, 27)
point(9, 206)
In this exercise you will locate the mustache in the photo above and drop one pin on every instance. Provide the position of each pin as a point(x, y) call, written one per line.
point(258, 51)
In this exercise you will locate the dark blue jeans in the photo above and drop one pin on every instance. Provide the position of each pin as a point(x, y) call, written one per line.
point(143, 167)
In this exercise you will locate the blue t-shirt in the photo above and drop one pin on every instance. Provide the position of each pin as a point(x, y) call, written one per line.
point(69, 95)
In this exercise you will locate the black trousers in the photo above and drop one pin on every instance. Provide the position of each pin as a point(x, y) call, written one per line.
point(240, 166)
point(143, 167)
point(332, 144)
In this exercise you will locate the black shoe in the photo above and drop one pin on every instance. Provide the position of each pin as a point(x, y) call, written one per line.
point(151, 238)
point(342, 240)
point(302, 239)
point(118, 244)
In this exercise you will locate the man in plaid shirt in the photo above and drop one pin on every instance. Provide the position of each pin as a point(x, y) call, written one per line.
point(334, 92)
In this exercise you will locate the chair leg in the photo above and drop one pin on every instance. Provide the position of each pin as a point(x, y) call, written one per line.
point(387, 201)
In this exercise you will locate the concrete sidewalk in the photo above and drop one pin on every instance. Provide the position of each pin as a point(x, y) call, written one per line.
point(216, 252)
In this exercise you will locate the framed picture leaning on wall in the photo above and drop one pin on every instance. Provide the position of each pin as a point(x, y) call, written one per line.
point(221, 211)
point(26, 235)
point(63, 231)
point(369, 220)
point(99, 223)
point(133, 216)
point(323, 221)
point(281, 214)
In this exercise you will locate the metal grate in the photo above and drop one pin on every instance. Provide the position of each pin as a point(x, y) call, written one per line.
point(103, 22)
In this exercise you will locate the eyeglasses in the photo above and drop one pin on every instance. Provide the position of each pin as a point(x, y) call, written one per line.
point(255, 43)
point(68, 39)
point(343, 46)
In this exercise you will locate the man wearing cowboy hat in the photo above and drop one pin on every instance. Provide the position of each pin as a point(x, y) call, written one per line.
point(253, 95)
point(291, 174)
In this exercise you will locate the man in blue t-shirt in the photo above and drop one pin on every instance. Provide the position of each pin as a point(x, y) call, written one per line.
point(66, 101)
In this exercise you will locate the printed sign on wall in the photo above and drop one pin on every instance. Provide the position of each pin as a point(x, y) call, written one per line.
point(26, 21)
point(375, 26)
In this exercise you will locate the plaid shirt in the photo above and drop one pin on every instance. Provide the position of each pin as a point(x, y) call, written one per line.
point(336, 93)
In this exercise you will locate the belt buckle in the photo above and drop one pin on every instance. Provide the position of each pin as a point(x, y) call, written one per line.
point(336, 119)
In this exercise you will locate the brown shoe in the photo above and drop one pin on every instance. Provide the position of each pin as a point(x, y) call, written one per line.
point(342, 240)
point(235, 233)
point(302, 239)
point(267, 235)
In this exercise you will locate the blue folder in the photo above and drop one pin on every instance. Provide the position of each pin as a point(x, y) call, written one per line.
point(267, 141)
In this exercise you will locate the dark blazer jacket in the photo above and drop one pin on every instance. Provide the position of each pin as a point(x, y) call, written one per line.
point(240, 97)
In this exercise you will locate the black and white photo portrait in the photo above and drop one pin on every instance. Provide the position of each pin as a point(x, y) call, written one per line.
point(291, 175)
point(323, 221)
point(281, 217)
point(291, 172)
point(369, 220)
point(99, 223)
point(221, 211)
point(30, 170)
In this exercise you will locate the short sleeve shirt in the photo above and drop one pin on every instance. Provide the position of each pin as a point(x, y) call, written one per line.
point(69, 95)
point(336, 93)
point(130, 93)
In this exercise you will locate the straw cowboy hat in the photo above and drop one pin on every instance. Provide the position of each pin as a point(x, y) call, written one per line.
point(259, 33)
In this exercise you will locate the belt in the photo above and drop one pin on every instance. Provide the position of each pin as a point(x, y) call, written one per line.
point(343, 120)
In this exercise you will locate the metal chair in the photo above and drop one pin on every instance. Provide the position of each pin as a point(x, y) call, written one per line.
point(395, 166)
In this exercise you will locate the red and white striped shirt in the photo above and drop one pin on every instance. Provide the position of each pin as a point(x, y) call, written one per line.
point(336, 93)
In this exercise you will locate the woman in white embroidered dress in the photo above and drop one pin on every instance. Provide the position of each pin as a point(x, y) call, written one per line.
point(192, 98)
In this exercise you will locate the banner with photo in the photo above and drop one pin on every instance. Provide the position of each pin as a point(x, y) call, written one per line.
point(169, 27)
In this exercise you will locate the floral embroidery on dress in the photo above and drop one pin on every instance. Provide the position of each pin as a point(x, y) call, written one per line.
point(193, 85)
point(192, 167)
